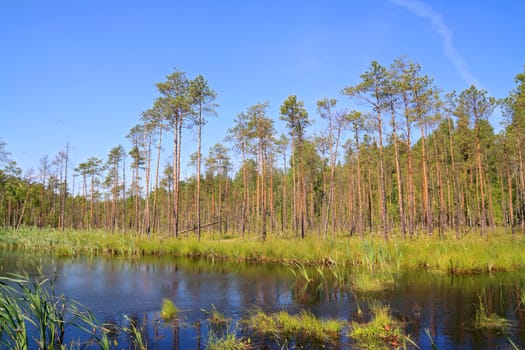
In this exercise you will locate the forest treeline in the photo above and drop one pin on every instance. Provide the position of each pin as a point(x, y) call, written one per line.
point(411, 160)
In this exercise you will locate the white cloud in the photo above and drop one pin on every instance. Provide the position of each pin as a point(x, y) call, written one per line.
point(422, 10)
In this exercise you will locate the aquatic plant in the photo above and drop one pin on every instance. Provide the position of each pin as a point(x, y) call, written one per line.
point(135, 334)
point(219, 323)
point(519, 296)
point(382, 330)
point(431, 339)
point(364, 281)
point(229, 342)
point(299, 270)
point(514, 346)
point(168, 311)
point(284, 327)
point(30, 306)
point(483, 318)
point(12, 320)
point(215, 316)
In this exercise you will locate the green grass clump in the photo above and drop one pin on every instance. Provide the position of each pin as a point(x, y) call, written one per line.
point(381, 332)
point(365, 281)
point(216, 317)
point(485, 319)
point(228, 342)
point(443, 254)
point(303, 327)
point(168, 311)
point(219, 323)
point(262, 324)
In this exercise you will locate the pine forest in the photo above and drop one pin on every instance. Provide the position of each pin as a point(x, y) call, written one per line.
point(409, 160)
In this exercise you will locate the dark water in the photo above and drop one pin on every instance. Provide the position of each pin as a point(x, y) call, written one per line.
point(114, 288)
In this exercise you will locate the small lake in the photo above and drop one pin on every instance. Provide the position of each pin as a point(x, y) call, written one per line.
point(113, 288)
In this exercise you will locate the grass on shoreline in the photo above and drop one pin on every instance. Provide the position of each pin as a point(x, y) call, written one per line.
point(471, 254)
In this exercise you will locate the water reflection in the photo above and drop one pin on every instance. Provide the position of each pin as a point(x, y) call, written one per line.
point(112, 288)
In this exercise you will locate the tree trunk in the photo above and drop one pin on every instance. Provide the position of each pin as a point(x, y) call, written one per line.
point(400, 196)
point(157, 177)
point(509, 192)
point(384, 217)
point(483, 217)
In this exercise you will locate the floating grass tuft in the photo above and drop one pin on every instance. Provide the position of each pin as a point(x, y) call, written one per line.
point(301, 328)
point(168, 311)
point(228, 342)
point(382, 331)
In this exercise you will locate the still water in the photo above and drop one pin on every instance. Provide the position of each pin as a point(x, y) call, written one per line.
point(113, 288)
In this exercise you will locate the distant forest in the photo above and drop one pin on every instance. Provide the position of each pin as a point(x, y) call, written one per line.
point(413, 160)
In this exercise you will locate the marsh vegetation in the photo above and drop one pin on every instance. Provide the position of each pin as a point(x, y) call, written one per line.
point(224, 304)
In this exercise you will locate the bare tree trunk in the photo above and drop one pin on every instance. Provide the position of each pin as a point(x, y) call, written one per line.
point(303, 192)
point(522, 185)
point(263, 192)
point(455, 182)
point(157, 177)
point(92, 204)
point(65, 156)
point(410, 172)
point(198, 196)
point(400, 197)
point(483, 217)
point(21, 217)
point(270, 206)
point(360, 213)
point(146, 218)
point(384, 217)
point(245, 192)
point(284, 223)
point(176, 174)
point(427, 210)
point(124, 209)
point(509, 192)
point(441, 211)
point(295, 191)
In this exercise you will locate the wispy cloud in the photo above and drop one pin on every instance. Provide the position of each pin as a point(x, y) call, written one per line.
point(422, 10)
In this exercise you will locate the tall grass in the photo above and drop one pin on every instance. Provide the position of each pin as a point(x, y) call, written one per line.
point(471, 254)
point(33, 316)
point(228, 342)
point(483, 318)
point(301, 329)
point(382, 331)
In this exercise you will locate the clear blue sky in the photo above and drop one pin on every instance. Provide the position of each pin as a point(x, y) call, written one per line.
point(83, 71)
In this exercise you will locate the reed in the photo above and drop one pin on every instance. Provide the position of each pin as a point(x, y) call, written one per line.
point(12, 321)
point(135, 333)
point(31, 307)
point(470, 254)
point(366, 282)
point(520, 297)
point(431, 339)
point(483, 318)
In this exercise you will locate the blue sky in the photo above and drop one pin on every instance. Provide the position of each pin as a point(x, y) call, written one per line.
point(83, 71)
